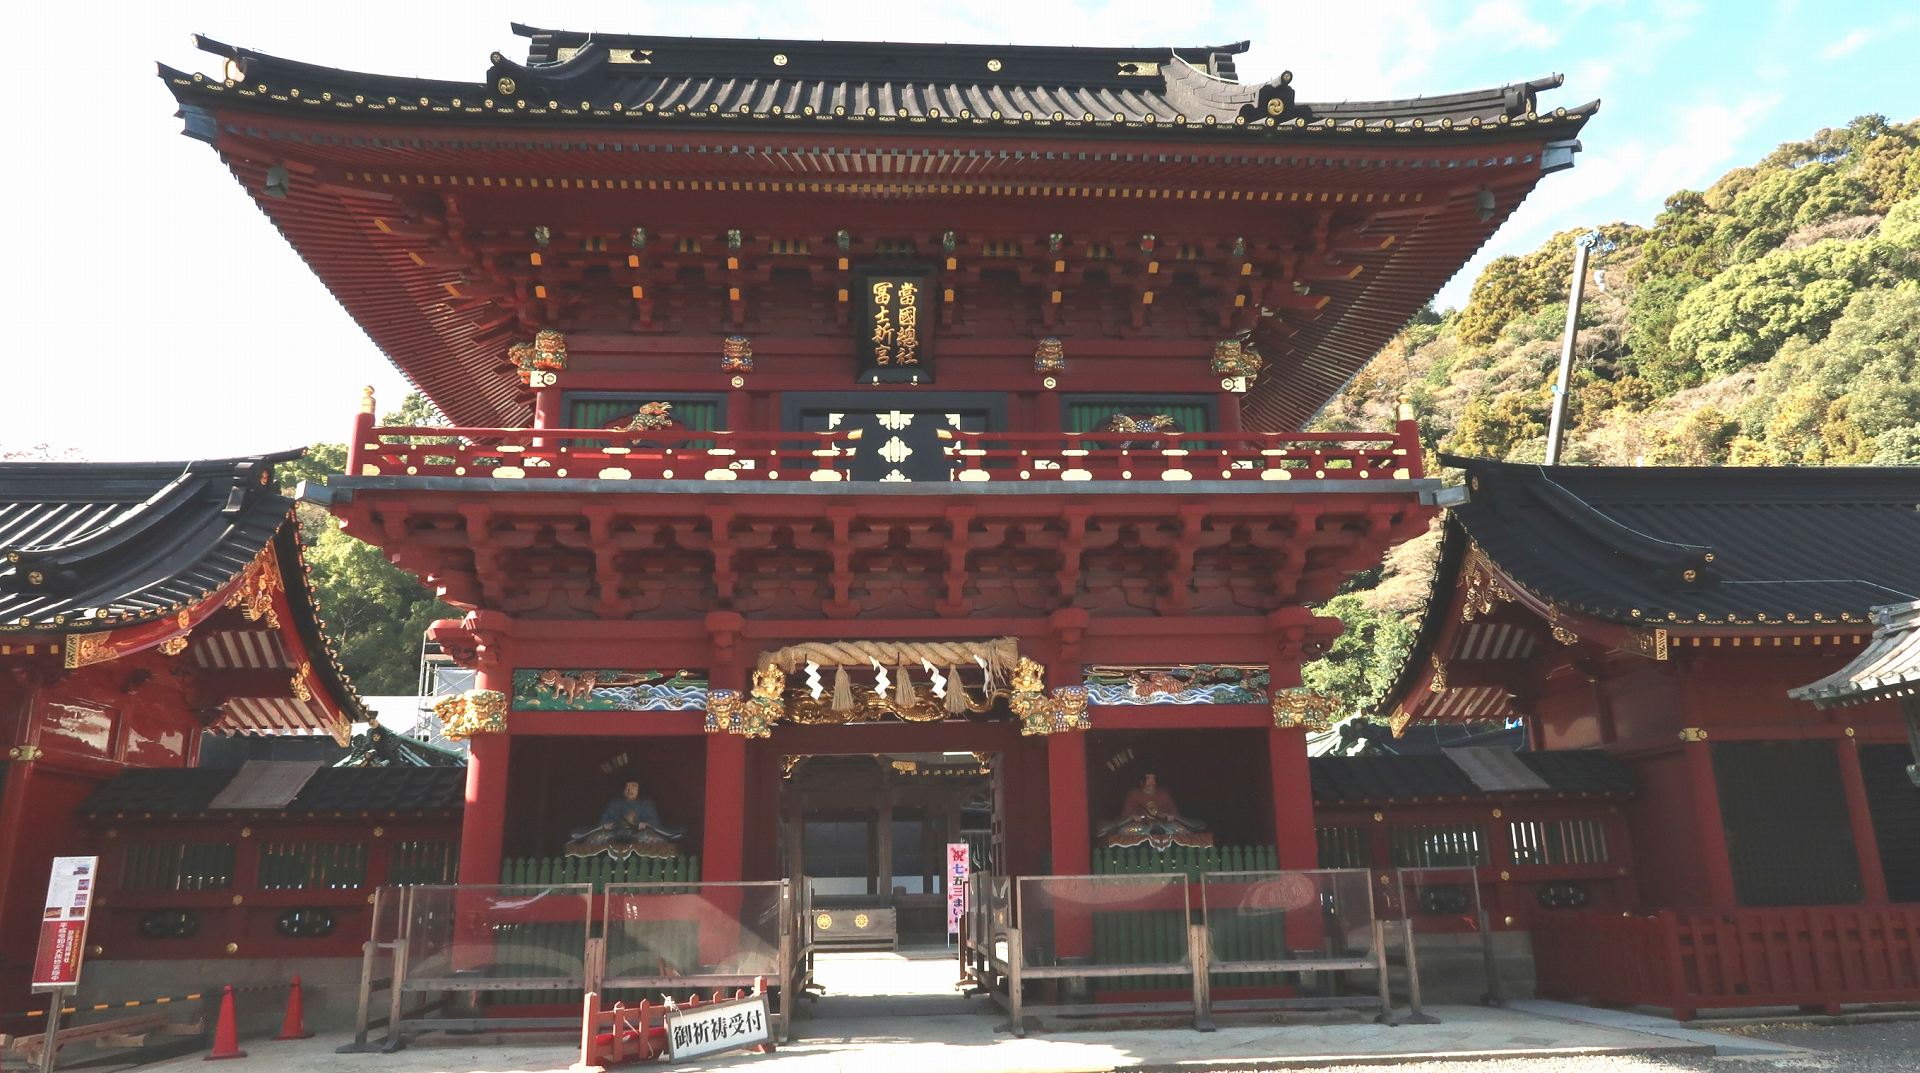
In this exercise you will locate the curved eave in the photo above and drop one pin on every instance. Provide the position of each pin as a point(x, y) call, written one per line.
point(362, 165)
point(736, 104)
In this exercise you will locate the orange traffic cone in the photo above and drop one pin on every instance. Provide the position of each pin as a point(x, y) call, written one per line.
point(295, 1024)
point(226, 1036)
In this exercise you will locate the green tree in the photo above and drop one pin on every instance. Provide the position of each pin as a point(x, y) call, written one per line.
point(376, 613)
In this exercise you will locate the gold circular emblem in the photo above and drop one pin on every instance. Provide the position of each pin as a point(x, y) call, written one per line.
point(993, 65)
point(779, 59)
point(1276, 106)
point(861, 921)
point(823, 922)
point(506, 86)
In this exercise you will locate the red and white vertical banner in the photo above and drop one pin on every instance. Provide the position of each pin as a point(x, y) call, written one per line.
point(959, 866)
point(63, 922)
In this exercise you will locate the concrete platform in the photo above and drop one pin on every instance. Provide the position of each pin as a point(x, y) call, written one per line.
point(901, 1012)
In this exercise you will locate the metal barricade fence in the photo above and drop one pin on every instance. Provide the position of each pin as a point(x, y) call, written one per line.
point(535, 944)
point(1317, 922)
point(1442, 900)
point(668, 937)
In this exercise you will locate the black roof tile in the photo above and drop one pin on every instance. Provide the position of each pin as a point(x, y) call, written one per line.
point(1700, 546)
point(157, 790)
point(595, 76)
point(1353, 779)
point(1581, 771)
point(367, 789)
point(90, 546)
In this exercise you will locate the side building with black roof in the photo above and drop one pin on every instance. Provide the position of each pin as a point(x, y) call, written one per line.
point(1696, 625)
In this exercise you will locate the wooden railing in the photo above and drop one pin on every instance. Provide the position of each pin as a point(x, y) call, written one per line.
point(1819, 957)
point(1005, 457)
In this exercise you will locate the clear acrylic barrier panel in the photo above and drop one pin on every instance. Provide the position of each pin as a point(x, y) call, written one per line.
point(1280, 916)
point(384, 925)
point(1106, 920)
point(694, 929)
point(1436, 899)
point(536, 934)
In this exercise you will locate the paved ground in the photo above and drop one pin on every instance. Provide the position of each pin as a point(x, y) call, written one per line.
point(887, 1013)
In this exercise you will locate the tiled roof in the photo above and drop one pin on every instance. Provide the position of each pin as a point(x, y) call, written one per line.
point(89, 546)
point(1700, 546)
point(370, 789)
point(581, 76)
point(1355, 779)
point(1888, 667)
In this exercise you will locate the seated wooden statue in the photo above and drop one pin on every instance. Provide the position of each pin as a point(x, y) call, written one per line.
point(1149, 817)
point(629, 826)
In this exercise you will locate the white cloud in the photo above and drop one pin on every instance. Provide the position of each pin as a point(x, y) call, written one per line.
point(1507, 20)
point(1847, 45)
point(1709, 135)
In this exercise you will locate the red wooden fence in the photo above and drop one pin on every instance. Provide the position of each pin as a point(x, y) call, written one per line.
point(1690, 960)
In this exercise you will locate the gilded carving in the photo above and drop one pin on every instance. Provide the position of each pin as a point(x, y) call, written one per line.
point(87, 649)
point(754, 716)
point(1649, 643)
point(173, 646)
point(1304, 708)
point(1064, 710)
point(1481, 585)
point(254, 595)
point(1050, 355)
point(301, 691)
point(1236, 357)
point(650, 417)
point(1437, 681)
point(736, 354)
point(477, 711)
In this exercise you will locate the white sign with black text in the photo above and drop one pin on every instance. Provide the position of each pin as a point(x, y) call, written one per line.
point(723, 1026)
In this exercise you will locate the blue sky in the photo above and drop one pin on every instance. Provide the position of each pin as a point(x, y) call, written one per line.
point(159, 315)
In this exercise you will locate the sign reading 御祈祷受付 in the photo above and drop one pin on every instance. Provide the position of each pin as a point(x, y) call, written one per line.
point(63, 922)
point(891, 332)
point(697, 1030)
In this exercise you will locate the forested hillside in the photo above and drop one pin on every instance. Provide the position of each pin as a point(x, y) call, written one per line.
point(1772, 319)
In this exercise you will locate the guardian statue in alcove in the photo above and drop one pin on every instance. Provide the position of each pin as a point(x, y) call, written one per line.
point(1149, 817)
point(630, 826)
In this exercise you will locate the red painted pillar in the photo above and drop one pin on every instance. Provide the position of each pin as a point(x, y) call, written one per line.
point(1713, 828)
point(485, 821)
point(546, 408)
point(1067, 804)
point(1293, 834)
point(1072, 838)
point(1866, 844)
point(723, 841)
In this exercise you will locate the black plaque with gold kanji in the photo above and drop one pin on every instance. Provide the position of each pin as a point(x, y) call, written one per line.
point(892, 326)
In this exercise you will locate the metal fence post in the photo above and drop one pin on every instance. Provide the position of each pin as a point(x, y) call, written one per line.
point(1198, 953)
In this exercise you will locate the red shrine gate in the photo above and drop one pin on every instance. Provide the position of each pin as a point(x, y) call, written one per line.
point(977, 390)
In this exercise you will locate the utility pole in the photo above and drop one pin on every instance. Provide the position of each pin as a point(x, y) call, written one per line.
point(1555, 430)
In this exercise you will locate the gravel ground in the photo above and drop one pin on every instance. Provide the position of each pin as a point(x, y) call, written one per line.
point(1877, 1047)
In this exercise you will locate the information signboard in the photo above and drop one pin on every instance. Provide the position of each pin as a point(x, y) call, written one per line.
point(697, 1030)
point(959, 866)
point(63, 922)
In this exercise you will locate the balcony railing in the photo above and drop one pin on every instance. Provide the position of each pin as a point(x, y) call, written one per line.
point(685, 455)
